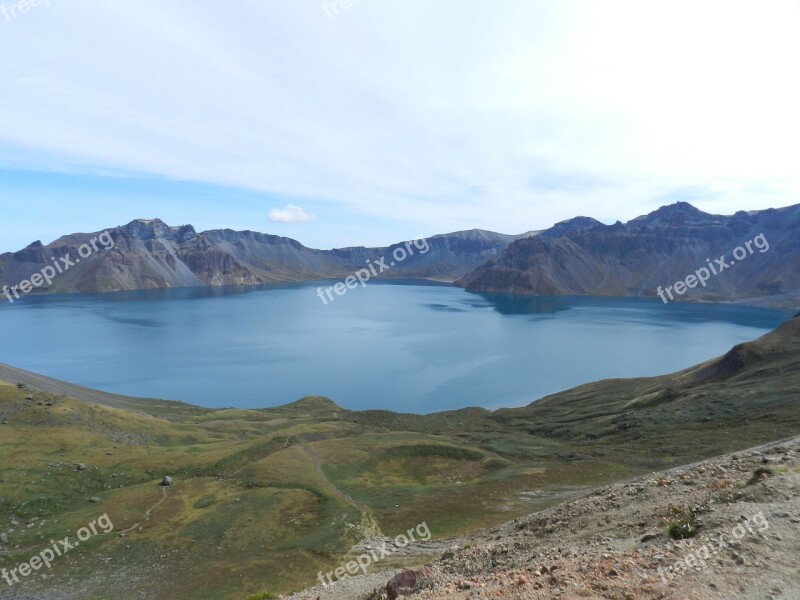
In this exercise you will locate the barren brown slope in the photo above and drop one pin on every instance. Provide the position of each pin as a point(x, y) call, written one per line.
point(740, 512)
point(149, 254)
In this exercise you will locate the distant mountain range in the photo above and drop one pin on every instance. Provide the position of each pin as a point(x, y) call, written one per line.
point(149, 254)
point(580, 256)
point(585, 257)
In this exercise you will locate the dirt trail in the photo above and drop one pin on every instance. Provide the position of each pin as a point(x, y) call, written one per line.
point(614, 543)
point(369, 524)
point(148, 513)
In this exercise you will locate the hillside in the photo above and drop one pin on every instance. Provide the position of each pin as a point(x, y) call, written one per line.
point(656, 250)
point(720, 529)
point(263, 500)
point(580, 256)
point(149, 254)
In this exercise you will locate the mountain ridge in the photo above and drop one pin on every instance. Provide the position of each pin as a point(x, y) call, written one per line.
point(577, 256)
point(148, 254)
point(654, 251)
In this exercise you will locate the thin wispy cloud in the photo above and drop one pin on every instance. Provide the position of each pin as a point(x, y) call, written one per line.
point(416, 116)
point(290, 214)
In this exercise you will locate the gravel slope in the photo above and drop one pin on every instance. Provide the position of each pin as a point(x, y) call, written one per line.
point(611, 543)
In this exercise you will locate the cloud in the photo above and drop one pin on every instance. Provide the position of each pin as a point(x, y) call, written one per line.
point(290, 214)
point(509, 119)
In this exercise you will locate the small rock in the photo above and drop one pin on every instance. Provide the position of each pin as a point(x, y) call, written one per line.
point(401, 584)
point(406, 583)
point(759, 475)
point(167, 481)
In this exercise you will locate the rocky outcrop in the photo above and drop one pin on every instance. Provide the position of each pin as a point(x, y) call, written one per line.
point(585, 257)
point(726, 527)
point(149, 254)
point(580, 256)
point(407, 583)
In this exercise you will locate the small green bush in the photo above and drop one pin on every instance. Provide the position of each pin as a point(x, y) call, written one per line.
point(682, 531)
point(683, 522)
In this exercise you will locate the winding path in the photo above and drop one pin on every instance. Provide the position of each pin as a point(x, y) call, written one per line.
point(148, 512)
point(369, 524)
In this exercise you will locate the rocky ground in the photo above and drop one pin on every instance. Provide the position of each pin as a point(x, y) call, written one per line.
point(725, 528)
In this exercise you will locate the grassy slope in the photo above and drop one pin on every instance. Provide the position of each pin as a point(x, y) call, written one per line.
point(265, 499)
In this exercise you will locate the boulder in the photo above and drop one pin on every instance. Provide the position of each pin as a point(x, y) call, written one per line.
point(407, 583)
point(167, 481)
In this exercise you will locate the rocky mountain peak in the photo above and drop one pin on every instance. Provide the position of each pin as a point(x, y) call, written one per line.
point(570, 225)
point(680, 213)
point(148, 229)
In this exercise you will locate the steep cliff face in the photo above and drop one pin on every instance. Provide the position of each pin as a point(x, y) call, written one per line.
point(149, 254)
point(578, 256)
point(446, 255)
point(656, 250)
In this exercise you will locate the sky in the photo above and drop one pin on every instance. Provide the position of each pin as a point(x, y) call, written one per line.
point(365, 122)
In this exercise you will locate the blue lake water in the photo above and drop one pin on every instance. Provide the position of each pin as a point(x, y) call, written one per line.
point(411, 347)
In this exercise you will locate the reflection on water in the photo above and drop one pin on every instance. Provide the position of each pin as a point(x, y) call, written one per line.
point(398, 345)
point(507, 304)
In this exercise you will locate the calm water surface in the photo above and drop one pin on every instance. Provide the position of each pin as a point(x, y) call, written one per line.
point(409, 347)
